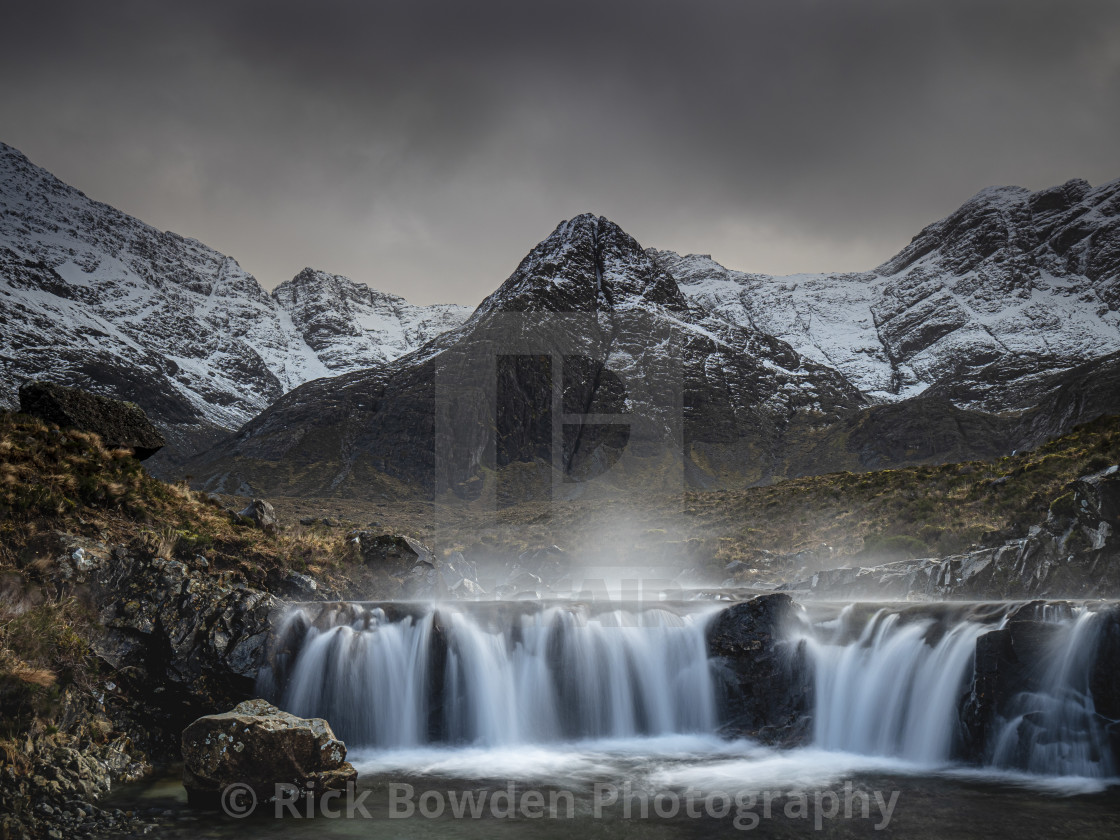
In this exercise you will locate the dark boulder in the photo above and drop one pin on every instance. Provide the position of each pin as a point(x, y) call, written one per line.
point(262, 747)
point(121, 425)
point(765, 672)
point(390, 550)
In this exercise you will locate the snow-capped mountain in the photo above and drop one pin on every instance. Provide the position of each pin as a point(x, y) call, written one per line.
point(90, 296)
point(1010, 288)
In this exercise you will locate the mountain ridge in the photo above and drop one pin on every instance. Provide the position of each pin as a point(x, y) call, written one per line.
point(1011, 274)
point(990, 331)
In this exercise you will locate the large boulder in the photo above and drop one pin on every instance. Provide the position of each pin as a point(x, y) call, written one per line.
point(766, 677)
point(121, 425)
point(258, 745)
point(263, 515)
point(420, 573)
point(392, 552)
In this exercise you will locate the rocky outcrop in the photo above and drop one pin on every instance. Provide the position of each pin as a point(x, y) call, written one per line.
point(121, 425)
point(763, 670)
point(258, 746)
point(199, 640)
point(49, 790)
point(51, 778)
point(180, 639)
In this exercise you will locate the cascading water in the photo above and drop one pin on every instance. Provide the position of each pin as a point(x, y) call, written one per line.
point(894, 689)
point(896, 686)
point(463, 675)
point(1054, 728)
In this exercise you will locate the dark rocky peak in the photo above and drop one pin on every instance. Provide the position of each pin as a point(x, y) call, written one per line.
point(1071, 228)
point(1058, 200)
point(991, 220)
point(587, 264)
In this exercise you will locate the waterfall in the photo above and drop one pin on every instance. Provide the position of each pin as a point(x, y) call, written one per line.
point(1053, 728)
point(893, 689)
point(896, 686)
point(492, 676)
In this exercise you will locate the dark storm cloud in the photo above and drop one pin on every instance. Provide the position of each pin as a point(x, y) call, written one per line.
point(424, 147)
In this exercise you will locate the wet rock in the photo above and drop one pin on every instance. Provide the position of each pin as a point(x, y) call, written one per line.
point(424, 581)
point(1104, 676)
point(263, 515)
point(460, 576)
point(121, 425)
point(765, 676)
point(299, 586)
point(258, 745)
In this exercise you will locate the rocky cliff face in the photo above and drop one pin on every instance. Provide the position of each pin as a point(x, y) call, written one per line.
point(350, 326)
point(90, 296)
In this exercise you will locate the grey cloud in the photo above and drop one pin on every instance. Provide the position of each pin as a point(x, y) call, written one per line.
point(424, 147)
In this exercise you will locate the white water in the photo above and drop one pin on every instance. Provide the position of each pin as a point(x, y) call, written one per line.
point(559, 673)
point(566, 689)
point(890, 691)
point(895, 689)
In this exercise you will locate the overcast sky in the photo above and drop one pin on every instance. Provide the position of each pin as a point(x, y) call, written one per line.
point(424, 147)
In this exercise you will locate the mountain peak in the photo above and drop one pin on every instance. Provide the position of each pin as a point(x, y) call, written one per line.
point(587, 264)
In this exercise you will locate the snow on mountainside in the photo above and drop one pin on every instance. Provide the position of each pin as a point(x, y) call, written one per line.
point(1008, 289)
point(91, 296)
point(348, 324)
